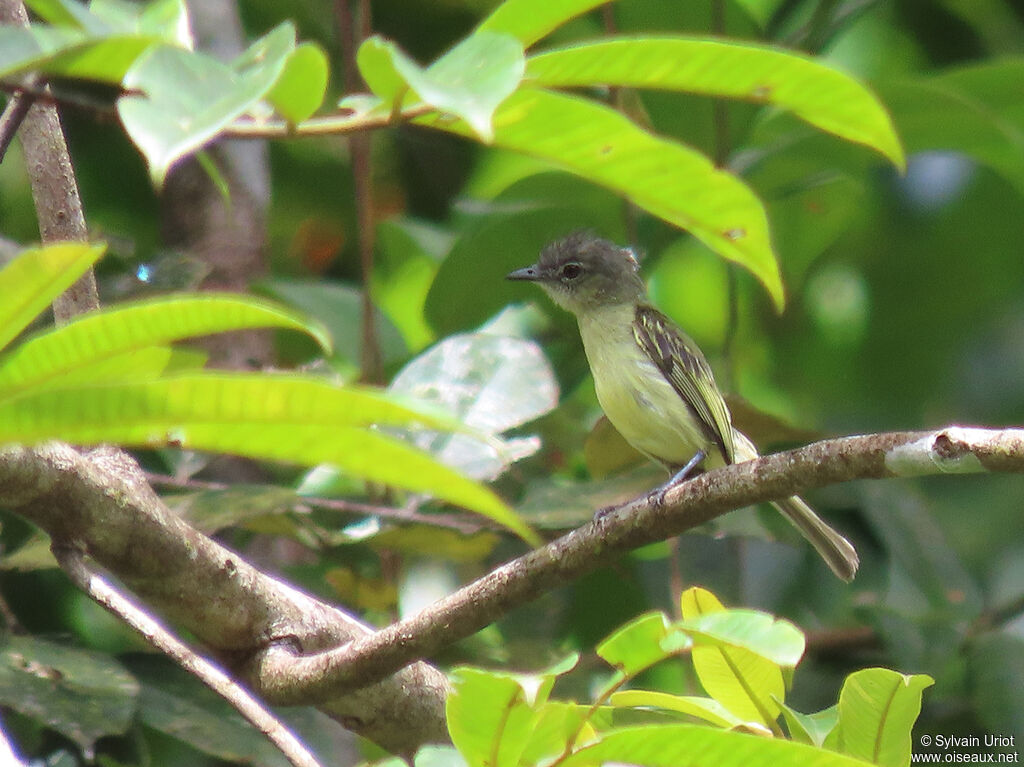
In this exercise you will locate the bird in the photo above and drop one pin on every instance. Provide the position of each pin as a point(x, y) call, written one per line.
point(652, 381)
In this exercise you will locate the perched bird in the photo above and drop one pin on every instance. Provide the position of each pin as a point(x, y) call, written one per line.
point(652, 380)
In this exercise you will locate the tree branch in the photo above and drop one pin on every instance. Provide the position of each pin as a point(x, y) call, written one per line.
point(640, 522)
point(295, 649)
point(99, 590)
point(101, 503)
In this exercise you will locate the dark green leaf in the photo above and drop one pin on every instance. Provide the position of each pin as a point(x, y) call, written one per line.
point(83, 695)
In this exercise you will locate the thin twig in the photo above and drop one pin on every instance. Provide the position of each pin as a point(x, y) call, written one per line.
point(362, 181)
point(459, 523)
point(103, 593)
point(15, 113)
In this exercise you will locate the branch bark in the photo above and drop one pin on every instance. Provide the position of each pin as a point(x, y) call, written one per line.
point(295, 649)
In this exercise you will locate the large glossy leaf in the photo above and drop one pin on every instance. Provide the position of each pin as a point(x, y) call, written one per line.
point(30, 282)
point(190, 97)
point(746, 683)
point(530, 20)
point(493, 383)
point(877, 711)
point(282, 418)
point(83, 695)
point(48, 358)
point(773, 639)
point(818, 93)
point(671, 181)
point(489, 717)
point(671, 745)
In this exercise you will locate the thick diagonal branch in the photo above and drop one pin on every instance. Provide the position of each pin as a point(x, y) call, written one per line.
point(636, 524)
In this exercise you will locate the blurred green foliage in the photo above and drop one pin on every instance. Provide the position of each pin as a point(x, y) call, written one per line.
point(905, 309)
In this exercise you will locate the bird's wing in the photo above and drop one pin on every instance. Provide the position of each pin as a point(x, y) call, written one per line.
point(683, 364)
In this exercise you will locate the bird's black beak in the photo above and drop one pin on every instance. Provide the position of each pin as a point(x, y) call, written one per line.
point(528, 273)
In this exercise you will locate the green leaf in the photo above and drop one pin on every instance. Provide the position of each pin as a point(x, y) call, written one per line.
point(816, 92)
point(48, 358)
point(530, 20)
point(554, 724)
point(671, 181)
point(877, 711)
point(708, 709)
point(340, 309)
point(66, 52)
point(489, 717)
point(671, 745)
point(637, 645)
point(173, 702)
point(810, 728)
point(376, 62)
point(190, 97)
point(470, 81)
point(747, 684)
point(283, 418)
point(492, 383)
point(83, 695)
point(68, 13)
point(776, 640)
point(35, 278)
point(300, 89)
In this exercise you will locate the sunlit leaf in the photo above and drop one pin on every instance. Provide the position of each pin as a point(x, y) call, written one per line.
point(671, 745)
point(50, 357)
point(530, 20)
point(299, 91)
point(810, 728)
point(671, 181)
point(708, 709)
point(637, 645)
point(281, 418)
point(31, 281)
point(68, 13)
point(815, 91)
point(489, 717)
point(190, 97)
point(764, 635)
point(470, 81)
point(877, 711)
point(376, 61)
point(746, 683)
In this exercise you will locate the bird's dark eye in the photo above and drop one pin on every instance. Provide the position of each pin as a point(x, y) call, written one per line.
point(571, 271)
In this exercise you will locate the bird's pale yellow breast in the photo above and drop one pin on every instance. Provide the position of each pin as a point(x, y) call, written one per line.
point(636, 397)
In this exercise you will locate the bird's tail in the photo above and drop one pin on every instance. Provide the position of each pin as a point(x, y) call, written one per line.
point(837, 552)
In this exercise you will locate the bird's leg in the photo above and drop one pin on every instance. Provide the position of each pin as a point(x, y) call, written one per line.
point(659, 493)
point(680, 476)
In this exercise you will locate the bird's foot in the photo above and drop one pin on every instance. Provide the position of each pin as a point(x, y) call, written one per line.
point(679, 477)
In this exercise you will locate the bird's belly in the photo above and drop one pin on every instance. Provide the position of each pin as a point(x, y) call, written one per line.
point(645, 409)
